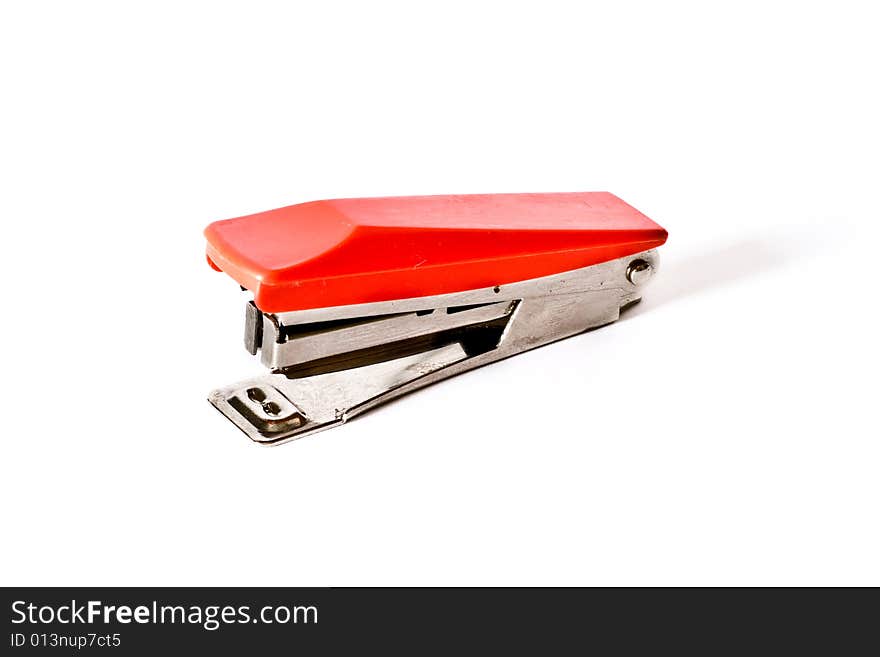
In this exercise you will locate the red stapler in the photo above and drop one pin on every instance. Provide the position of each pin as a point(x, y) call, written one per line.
point(358, 301)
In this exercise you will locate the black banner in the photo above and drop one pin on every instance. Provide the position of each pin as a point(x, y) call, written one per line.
point(411, 621)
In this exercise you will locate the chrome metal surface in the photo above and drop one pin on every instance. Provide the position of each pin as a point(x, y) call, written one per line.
point(285, 345)
point(639, 271)
point(330, 364)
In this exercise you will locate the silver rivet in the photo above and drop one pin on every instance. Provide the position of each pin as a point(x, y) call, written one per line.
point(639, 271)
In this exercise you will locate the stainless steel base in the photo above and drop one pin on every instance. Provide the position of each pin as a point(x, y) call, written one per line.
point(330, 364)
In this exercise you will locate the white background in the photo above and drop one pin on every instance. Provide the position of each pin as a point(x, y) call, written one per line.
point(723, 432)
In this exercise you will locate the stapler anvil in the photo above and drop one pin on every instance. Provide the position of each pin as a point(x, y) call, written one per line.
point(358, 301)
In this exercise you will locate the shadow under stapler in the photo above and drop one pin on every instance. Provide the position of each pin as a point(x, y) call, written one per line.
point(708, 270)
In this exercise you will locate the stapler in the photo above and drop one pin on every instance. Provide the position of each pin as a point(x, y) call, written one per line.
point(358, 301)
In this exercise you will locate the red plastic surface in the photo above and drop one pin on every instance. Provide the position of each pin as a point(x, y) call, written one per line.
point(348, 251)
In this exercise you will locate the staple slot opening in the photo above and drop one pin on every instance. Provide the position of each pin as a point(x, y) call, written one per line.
point(459, 309)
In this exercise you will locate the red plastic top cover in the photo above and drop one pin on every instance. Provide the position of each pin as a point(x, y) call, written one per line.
point(359, 250)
